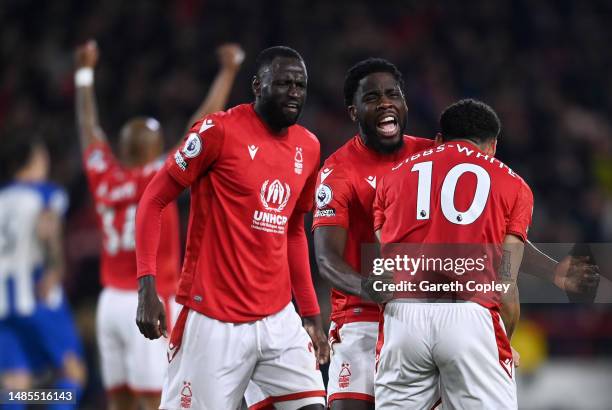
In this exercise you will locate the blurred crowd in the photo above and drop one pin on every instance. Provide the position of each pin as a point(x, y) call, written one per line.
point(542, 65)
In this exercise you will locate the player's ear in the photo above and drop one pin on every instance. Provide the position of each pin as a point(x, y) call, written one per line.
point(439, 139)
point(493, 147)
point(256, 85)
point(352, 112)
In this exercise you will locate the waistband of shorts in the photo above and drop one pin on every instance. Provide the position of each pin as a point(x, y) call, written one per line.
point(431, 301)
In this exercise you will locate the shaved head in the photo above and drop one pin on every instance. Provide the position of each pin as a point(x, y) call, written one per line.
point(140, 141)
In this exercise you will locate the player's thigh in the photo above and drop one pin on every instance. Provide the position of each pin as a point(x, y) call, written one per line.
point(111, 346)
point(64, 348)
point(352, 364)
point(406, 376)
point(14, 367)
point(212, 365)
point(475, 359)
point(146, 362)
point(288, 371)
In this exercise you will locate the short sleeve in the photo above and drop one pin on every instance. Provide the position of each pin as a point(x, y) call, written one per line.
point(379, 206)
point(98, 161)
point(200, 149)
point(520, 216)
point(332, 197)
point(304, 203)
point(54, 198)
point(58, 202)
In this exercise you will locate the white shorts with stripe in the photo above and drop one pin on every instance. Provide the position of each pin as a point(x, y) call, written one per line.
point(129, 361)
point(458, 351)
point(212, 362)
point(352, 364)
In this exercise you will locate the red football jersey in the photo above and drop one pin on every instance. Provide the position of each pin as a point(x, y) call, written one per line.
point(246, 182)
point(346, 189)
point(454, 194)
point(116, 191)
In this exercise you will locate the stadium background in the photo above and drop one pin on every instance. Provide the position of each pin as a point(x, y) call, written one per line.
point(542, 65)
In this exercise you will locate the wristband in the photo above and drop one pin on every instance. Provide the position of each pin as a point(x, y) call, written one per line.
point(84, 77)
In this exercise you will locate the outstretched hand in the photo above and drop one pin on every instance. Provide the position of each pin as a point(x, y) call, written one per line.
point(230, 55)
point(86, 55)
point(575, 274)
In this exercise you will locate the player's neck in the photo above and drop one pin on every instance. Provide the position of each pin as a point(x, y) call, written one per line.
point(379, 149)
point(484, 147)
point(29, 174)
point(266, 122)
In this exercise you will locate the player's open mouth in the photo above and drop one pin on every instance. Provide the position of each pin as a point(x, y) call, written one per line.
point(387, 126)
point(295, 107)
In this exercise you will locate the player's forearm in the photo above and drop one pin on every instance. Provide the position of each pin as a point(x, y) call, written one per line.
point(510, 310)
point(217, 95)
point(55, 256)
point(86, 111)
point(338, 273)
point(146, 284)
point(299, 268)
point(537, 263)
point(50, 233)
point(161, 191)
point(329, 242)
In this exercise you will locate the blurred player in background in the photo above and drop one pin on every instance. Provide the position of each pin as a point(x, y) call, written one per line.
point(252, 174)
point(343, 223)
point(37, 332)
point(132, 367)
point(461, 347)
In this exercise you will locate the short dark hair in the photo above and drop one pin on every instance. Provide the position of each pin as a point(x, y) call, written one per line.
point(268, 55)
point(470, 119)
point(16, 152)
point(363, 69)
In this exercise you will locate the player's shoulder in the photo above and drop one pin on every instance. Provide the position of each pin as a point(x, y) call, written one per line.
point(418, 143)
point(52, 195)
point(99, 157)
point(306, 136)
point(345, 156)
point(220, 119)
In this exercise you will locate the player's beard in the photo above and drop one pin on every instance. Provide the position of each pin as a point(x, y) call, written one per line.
point(375, 141)
point(272, 112)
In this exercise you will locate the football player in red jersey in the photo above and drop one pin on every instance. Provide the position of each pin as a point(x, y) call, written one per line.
point(132, 367)
point(456, 193)
point(343, 220)
point(252, 173)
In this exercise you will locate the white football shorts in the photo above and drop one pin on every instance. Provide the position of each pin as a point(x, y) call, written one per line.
point(128, 359)
point(352, 364)
point(212, 362)
point(458, 351)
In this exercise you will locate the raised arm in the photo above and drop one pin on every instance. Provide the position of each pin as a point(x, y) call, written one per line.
point(230, 58)
point(86, 57)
